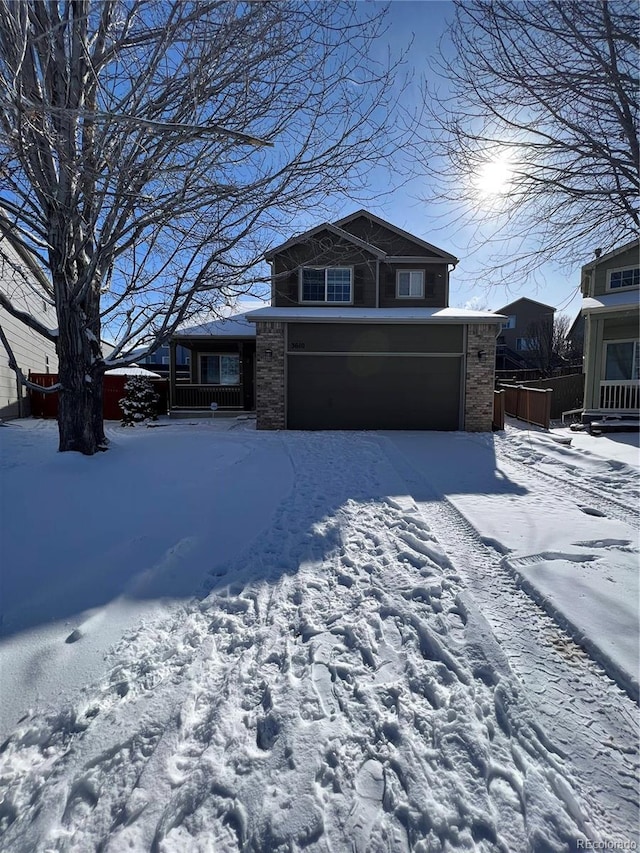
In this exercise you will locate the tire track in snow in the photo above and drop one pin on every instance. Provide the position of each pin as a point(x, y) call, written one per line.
point(586, 713)
point(528, 459)
point(338, 687)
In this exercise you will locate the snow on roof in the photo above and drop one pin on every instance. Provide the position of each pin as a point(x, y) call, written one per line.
point(235, 326)
point(132, 371)
point(378, 315)
point(610, 301)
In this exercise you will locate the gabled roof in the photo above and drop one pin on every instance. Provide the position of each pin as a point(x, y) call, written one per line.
point(446, 256)
point(325, 226)
point(504, 308)
point(619, 251)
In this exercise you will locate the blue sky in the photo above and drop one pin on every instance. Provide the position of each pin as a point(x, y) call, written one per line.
point(425, 22)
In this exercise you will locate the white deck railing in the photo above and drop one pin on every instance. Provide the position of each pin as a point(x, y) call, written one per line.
point(622, 396)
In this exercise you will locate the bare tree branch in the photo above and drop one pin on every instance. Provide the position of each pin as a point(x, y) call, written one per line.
point(154, 149)
point(535, 129)
point(13, 364)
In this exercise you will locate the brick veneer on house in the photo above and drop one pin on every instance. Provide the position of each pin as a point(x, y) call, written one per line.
point(480, 377)
point(270, 375)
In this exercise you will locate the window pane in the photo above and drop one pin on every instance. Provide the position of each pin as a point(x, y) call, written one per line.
point(210, 370)
point(313, 285)
point(338, 285)
point(404, 283)
point(229, 370)
point(620, 361)
point(415, 287)
point(410, 283)
point(625, 278)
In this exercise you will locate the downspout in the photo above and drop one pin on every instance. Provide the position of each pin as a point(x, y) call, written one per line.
point(377, 282)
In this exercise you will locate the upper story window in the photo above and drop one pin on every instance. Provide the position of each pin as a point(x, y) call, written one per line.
point(523, 344)
point(628, 277)
point(511, 322)
point(327, 284)
point(410, 284)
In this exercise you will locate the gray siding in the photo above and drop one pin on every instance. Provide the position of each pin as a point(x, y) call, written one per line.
point(435, 286)
point(526, 313)
point(33, 353)
point(383, 238)
point(598, 277)
point(324, 250)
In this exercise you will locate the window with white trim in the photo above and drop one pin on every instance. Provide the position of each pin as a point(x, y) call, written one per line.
point(621, 361)
point(219, 369)
point(511, 322)
point(410, 284)
point(626, 277)
point(326, 284)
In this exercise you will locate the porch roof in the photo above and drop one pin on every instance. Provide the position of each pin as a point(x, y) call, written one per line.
point(349, 314)
point(236, 326)
point(614, 301)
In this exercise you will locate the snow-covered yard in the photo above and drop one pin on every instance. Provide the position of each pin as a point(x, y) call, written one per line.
point(215, 639)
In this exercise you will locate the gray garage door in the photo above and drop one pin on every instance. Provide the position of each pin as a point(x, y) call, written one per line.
point(373, 392)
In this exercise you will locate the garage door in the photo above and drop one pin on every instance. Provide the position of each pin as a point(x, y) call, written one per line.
point(365, 389)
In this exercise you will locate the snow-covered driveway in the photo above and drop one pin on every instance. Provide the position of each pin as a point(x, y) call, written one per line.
point(359, 669)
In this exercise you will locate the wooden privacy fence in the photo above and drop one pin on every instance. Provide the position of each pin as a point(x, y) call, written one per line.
point(568, 392)
point(46, 405)
point(498, 410)
point(532, 405)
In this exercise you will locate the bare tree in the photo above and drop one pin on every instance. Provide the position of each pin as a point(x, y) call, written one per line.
point(151, 148)
point(533, 130)
point(547, 342)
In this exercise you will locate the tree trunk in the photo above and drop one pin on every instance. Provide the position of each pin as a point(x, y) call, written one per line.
point(81, 389)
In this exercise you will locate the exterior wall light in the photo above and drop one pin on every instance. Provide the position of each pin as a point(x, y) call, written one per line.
point(481, 354)
point(268, 354)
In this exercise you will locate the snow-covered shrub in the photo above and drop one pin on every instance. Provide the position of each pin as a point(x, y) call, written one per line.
point(140, 402)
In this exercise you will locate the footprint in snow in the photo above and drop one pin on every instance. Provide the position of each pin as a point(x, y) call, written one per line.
point(589, 510)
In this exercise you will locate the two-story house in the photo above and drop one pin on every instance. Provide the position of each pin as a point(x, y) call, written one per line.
point(358, 336)
point(525, 334)
point(611, 298)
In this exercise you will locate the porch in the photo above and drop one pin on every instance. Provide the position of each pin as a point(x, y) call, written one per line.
point(221, 372)
point(621, 396)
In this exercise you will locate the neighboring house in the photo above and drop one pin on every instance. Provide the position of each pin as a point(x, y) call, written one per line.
point(358, 336)
point(33, 353)
point(529, 324)
point(611, 291)
point(160, 359)
point(575, 338)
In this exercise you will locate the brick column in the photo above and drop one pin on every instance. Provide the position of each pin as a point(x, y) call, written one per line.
point(270, 375)
point(480, 377)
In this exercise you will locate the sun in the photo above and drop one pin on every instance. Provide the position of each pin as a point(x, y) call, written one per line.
point(494, 177)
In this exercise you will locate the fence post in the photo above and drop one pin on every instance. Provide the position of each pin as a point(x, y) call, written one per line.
point(547, 407)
